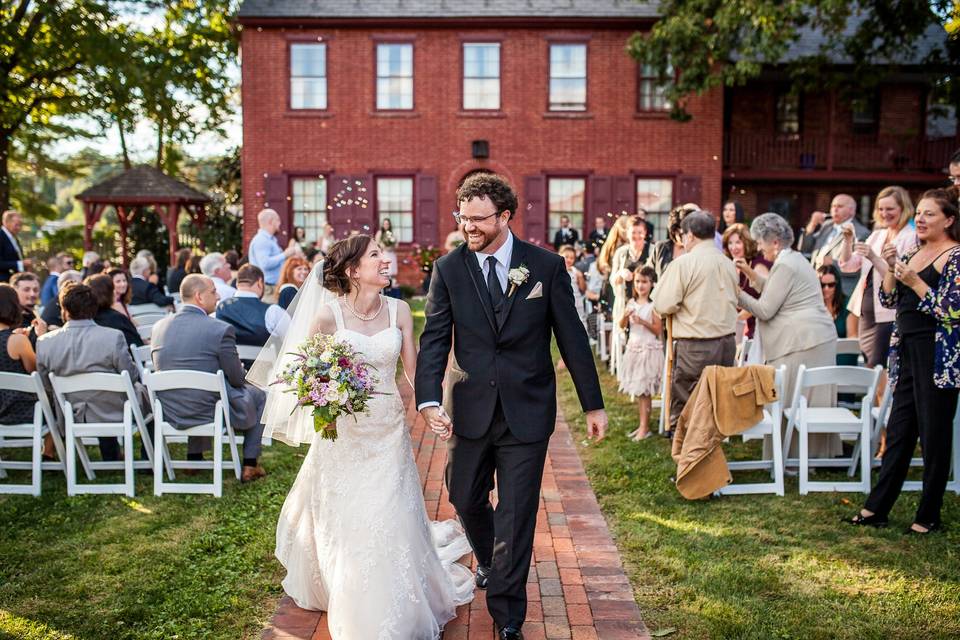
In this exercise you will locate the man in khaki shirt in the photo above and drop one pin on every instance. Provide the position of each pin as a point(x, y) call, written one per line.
point(699, 289)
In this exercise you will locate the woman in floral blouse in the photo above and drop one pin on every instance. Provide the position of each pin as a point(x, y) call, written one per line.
point(924, 287)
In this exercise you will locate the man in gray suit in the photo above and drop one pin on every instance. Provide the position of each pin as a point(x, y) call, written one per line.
point(82, 346)
point(822, 239)
point(190, 339)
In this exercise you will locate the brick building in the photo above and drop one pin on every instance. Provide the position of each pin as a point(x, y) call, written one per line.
point(354, 111)
point(360, 110)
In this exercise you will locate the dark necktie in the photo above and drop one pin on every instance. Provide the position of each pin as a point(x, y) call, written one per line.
point(493, 286)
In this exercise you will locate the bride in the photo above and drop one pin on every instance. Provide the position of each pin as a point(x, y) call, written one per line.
point(353, 533)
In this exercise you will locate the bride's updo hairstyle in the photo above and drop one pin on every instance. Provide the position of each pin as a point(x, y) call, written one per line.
point(343, 256)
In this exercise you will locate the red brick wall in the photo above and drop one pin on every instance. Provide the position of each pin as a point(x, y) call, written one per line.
point(352, 138)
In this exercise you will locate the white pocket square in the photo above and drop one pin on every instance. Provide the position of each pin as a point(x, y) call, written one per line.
point(536, 293)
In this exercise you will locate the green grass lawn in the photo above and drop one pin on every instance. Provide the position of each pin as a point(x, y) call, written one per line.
point(762, 566)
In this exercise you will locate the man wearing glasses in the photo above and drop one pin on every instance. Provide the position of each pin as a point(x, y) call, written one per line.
point(953, 170)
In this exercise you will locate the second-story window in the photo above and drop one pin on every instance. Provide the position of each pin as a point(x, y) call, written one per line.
point(394, 76)
point(652, 90)
point(568, 77)
point(788, 113)
point(864, 110)
point(481, 75)
point(308, 76)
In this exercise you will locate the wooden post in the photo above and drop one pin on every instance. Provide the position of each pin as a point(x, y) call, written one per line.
point(170, 221)
point(88, 222)
point(122, 221)
point(668, 382)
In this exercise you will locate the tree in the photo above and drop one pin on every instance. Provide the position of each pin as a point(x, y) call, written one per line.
point(713, 43)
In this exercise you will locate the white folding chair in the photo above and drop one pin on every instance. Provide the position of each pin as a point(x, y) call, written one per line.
point(31, 434)
point(658, 402)
point(220, 426)
point(744, 351)
point(137, 310)
point(848, 347)
point(145, 332)
point(837, 420)
point(769, 425)
point(148, 319)
point(119, 383)
point(142, 358)
point(248, 351)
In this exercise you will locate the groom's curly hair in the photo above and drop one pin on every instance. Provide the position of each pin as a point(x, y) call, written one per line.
point(492, 187)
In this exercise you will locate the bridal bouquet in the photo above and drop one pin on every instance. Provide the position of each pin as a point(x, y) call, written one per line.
point(330, 376)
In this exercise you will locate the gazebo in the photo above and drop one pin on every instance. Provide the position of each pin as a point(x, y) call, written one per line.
point(141, 186)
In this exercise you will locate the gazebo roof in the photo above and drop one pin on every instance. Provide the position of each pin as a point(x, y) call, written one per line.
point(142, 184)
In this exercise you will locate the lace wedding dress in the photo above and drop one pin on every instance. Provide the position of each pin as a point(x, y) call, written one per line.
point(354, 534)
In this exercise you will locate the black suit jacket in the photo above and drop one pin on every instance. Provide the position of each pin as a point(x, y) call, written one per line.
point(9, 256)
point(508, 360)
point(572, 238)
point(115, 320)
point(145, 292)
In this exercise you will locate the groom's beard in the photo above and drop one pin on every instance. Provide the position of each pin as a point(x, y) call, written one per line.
point(483, 239)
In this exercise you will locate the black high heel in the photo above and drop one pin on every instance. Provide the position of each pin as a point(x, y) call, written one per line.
point(861, 520)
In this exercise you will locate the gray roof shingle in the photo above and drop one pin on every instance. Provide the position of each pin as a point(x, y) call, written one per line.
point(142, 182)
point(447, 9)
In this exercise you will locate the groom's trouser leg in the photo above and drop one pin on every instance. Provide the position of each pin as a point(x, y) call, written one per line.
point(469, 478)
point(519, 475)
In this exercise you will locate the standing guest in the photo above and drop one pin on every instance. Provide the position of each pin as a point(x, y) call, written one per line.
point(794, 325)
point(11, 254)
point(300, 235)
point(598, 235)
point(214, 266)
point(145, 291)
point(122, 291)
point(731, 214)
point(191, 340)
point(891, 214)
point(295, 271)
point(89, 258)
point(387, 240)
point(618, 236)
point(328, 239)
point(178, 271)
point(836, 304)
point(666, 251)
point(924, 287)
point(565, 234)
point(265, 253)
point(738, 245)
point(953, 169)
point(642, 368)
point(822, 239)
point(577, 282)
point(642, 214)
point(699, 289)
point(233, 260)
point(51, 312)
point(16, 356)
point(82, 346)
point(103, 289)
point(253, 319)
point(49, 289)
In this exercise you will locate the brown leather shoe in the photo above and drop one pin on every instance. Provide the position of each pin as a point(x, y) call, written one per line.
point(252, 473)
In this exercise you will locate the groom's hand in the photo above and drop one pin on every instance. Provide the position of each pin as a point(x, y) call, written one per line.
point(438, 421)
point(597, 424)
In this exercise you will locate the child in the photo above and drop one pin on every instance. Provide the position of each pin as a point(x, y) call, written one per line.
point(642, 365)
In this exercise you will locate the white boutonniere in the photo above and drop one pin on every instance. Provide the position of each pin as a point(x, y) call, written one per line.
point(517, 277)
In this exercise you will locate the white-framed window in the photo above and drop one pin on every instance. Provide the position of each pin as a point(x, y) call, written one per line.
point(652, 91)
point(394, 76)
point(481, 75)
point(308, 76)
point(655, 196)
point(565, 197)
point(310, 206)
point(568, 77)
point(395, 203)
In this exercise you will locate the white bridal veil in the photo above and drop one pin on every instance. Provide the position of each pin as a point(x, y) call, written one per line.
point(282, 418)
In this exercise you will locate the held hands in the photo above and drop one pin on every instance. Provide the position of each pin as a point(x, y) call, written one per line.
point(438, 421)
point(596, 424)
point(866, 251)
point(905, 274)
point(744, 267)
point(889, 254)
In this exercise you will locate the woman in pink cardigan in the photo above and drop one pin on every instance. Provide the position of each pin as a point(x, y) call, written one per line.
point(891, 215)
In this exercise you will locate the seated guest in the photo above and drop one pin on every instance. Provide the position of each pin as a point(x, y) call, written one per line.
point(193, 264)
point(214, 266)
point(51, 312)
point(178, 271)
point(233, 259)
point(253, 319)
point(16, 356)
point(48, 292)
point(82, 346)
point(295, 271)
point(27, 286)
point(102, 287)
point(190, 339)
point(147, 255)
point(145, 291)
point(836, 303)
point(122, 291)
point(89, 259)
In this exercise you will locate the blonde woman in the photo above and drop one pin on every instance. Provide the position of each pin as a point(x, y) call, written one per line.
point(891, 215)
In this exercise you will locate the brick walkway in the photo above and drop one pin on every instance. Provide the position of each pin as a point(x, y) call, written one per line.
point(577, 588)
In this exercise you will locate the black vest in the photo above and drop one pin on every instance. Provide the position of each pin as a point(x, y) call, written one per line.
point(249, 316)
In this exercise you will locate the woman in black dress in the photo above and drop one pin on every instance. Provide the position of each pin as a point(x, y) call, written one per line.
point(16, 356)
point(102, 287)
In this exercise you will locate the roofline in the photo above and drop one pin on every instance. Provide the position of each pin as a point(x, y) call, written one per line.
point(625, 22)
point(123, 200)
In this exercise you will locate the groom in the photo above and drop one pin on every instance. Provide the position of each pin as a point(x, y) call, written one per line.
point(498, 299)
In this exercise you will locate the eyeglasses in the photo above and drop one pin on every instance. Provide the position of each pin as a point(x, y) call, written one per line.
point(828, 285)
point(471, 220)
point(954, 180)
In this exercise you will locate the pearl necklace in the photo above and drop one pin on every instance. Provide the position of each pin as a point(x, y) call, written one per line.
point(360, 316)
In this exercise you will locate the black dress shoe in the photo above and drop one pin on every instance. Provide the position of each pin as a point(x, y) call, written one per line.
point(482, 577)
point(510, 633)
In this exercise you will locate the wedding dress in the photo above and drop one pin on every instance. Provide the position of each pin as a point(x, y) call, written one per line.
point(354, 535)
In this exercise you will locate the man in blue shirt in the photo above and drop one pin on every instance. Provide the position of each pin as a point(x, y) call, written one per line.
point(265, 252)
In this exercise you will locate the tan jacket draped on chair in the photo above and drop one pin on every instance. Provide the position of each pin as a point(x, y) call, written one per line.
point(725, 402)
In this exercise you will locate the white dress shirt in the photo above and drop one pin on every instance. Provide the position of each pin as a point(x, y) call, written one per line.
point(276, 319)
point(224, 290)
